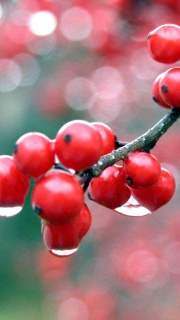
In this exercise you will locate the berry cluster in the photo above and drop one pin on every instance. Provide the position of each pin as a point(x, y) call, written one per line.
point(61, 169)
point(141, 177)
point(58, 194)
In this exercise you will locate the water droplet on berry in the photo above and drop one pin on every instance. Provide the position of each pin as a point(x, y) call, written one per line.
point(63, 253)
point(8, 212)
point(133, 209)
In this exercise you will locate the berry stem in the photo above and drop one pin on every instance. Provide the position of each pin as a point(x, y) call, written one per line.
point(59, 166)
point(85, 180)
point(144, 142)
point(120, 144)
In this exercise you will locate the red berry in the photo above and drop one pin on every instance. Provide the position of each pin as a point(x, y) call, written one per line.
point(14, 185)
point(61, 237)
point(84, 221)
point(142, 169)
point(78, 145)
point(169, 87)
point(158, 194)
point(64, 239)
point(34, 154)
point(157, 94)
point(57, 196)
point(164, 43)
point(110, 189)
point(107, 136)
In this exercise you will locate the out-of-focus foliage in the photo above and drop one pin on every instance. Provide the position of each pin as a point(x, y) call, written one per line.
point(71, 59)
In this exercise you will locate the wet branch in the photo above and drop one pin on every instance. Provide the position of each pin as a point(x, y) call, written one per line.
point(144, 142)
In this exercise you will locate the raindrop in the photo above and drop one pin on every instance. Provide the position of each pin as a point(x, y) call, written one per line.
point(8, 212)
point(133, 209)
point(63, 253)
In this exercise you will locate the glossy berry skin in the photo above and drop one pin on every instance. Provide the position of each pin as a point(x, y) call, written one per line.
point(169, 87)
point(164, 43)
point(110, 188)
point(34, 154)
point(107, 135)
point(63, 236)
point(57, 197)
point(158, 194)
point(157, 94)
point(14, 185)
point(67, 235)
point(84, 220)
point(142, 169)
point(78, 145)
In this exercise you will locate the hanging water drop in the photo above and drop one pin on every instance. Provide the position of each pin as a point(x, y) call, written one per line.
point(132, 208)
point(63, 253)
point(7, 212)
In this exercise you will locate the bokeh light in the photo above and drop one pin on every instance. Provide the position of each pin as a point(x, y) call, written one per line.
point(42, 23)
point(79, 92)
point(76, 24)
point(10, 75)
point(30, 69)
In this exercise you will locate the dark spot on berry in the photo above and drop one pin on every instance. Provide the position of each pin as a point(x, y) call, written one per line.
point(129, 181)
point(164, 88)
point(67, 138)
point(15, 149)
point(155, 100)
point(38, 210)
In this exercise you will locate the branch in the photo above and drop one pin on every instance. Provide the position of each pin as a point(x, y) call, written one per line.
point(145, 142)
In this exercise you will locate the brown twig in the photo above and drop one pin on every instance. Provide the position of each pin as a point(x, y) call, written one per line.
point(144, 142)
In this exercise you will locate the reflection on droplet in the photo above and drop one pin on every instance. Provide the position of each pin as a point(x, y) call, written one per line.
point(133, 209)
point(8, 212)
point(76, 24)
point(63, 253)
